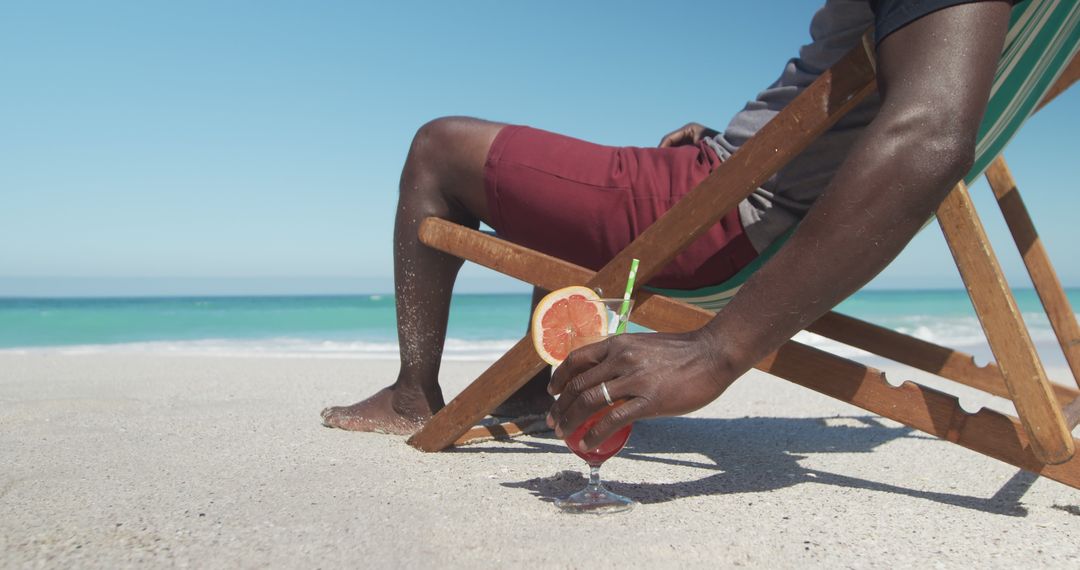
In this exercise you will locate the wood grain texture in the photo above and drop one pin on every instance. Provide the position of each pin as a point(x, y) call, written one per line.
point(987, 432)
point(1005, 330)
point(503, 430)
point(1037, 260)
point(923, 355)
point(935, 412)
point(528, 265)
point(551, 273)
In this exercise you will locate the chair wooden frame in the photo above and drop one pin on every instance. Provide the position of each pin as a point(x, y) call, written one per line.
point(1038, 439)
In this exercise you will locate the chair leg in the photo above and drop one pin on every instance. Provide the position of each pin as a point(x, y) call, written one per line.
point(1058, 311)
point(1005, 330)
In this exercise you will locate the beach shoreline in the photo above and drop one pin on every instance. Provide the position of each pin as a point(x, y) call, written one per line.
point(120, 460)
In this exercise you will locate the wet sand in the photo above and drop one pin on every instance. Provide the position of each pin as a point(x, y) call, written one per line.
point(139, 460)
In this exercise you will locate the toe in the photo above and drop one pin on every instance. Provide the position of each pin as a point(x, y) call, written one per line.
point(332, 417)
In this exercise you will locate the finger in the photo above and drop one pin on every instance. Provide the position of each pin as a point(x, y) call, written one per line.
point(590, 401)
point(677, 138)
point(581, 384)
point(619, 417)
point(575, 364)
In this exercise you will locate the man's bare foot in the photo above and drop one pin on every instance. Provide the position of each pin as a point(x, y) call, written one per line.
point(380, 413)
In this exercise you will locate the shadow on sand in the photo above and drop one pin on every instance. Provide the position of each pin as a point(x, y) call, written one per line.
point(750, 455)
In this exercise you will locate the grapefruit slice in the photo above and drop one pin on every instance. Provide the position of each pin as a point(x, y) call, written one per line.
point(562, 316)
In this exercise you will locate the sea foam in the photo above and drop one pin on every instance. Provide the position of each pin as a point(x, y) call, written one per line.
point(456, 349)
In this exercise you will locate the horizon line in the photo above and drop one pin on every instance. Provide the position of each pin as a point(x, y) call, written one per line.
point(84, 296)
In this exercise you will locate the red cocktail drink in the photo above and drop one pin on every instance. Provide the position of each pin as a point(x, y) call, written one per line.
point(598, 455)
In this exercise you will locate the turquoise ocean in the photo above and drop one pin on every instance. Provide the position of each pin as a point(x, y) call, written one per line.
point(363, 326)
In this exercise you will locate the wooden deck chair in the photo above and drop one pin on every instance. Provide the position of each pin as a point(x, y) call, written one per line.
point(1043, 38)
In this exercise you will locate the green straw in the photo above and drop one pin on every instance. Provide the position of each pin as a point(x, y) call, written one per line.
point(625, 308)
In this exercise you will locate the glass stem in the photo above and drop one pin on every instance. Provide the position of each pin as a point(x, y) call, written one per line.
point(594, 476)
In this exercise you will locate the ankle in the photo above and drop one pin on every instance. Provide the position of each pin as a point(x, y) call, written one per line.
point(409, 399)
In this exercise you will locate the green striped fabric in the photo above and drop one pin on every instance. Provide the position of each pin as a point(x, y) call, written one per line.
point(715, 297)
point(1043, 37)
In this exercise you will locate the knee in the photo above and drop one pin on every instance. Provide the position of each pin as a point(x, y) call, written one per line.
point(435, 137)
point(427, 154)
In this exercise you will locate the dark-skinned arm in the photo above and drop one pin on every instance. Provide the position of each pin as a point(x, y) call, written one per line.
point(934, 76)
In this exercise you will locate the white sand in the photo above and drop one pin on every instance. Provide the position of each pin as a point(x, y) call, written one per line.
point(128, 460)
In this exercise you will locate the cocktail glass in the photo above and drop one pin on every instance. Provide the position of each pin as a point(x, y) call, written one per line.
point(595, 498)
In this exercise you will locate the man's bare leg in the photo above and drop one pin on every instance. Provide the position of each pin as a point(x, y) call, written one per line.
point(442, 177)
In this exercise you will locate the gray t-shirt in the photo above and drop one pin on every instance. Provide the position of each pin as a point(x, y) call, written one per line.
point(783, 200)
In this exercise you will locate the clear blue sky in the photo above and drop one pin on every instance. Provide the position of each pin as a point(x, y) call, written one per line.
point(234, 147)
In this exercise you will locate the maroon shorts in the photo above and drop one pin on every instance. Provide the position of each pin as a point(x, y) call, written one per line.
point(584, 202)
